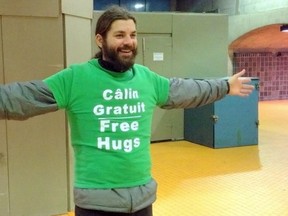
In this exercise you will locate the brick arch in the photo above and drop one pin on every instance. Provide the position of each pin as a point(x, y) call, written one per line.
point(263, 52)
point(264, 39)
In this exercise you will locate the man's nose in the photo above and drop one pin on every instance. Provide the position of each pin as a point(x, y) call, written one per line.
point(128, 40)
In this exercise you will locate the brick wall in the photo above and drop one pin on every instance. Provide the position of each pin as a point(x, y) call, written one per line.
point(270, 68)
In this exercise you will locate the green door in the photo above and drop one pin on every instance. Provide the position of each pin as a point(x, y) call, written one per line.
point(155, 51)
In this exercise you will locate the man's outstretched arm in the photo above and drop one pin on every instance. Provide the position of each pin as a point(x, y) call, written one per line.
point(22, 100)
point(190, 93)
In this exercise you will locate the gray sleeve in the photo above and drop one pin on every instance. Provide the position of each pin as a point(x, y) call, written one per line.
point(22, 100)
point(189, 93)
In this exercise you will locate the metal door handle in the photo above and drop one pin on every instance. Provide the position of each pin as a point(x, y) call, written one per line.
point(215, 118)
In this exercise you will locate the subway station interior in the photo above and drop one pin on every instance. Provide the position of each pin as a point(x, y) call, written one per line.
point(227, 158)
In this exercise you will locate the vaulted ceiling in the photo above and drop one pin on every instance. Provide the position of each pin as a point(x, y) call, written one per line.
point(264, 39)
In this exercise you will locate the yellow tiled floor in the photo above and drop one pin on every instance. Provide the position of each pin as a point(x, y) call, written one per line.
point(244, 181)
point(238, 181)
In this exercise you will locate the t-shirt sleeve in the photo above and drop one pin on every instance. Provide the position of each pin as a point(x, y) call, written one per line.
point(162, 89)
point(60, 85)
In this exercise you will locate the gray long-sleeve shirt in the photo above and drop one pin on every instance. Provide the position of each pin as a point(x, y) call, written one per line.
point(22, 100)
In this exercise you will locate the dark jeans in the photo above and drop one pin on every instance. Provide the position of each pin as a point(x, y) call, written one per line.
point(86, 212)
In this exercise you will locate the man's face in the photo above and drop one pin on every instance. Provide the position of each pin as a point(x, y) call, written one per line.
point(120, 44)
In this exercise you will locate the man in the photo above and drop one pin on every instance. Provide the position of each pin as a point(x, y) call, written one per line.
point(109, 102)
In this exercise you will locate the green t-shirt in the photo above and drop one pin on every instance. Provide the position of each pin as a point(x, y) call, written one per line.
point(110, 118)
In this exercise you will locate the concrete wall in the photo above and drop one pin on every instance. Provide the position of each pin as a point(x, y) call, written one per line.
point(241, 24)
point(233, 7)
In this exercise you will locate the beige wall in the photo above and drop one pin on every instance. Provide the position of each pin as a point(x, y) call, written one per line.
point(33, 49)
point(42, 8)
point(4, 195)
point(38, 40)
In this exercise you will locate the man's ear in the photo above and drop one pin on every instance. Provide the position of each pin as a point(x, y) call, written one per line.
point(99, 40)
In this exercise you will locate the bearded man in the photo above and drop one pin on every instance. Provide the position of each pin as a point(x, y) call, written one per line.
point(109, 101)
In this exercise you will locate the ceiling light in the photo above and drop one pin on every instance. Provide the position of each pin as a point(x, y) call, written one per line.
point(284, 28)
point(138, 5)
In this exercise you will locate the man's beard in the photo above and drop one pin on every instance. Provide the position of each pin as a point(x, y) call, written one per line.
point(120, 63)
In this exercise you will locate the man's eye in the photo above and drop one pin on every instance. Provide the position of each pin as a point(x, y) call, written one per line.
point(119, 36)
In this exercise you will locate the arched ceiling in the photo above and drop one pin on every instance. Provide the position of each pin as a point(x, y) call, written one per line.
point(264, 39)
